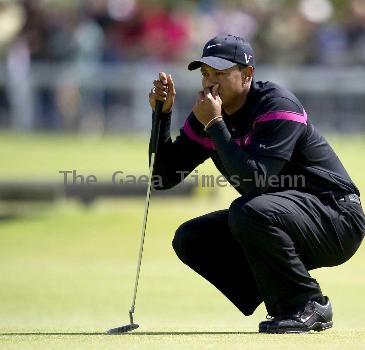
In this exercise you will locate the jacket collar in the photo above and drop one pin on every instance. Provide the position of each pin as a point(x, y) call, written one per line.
point(242, 118)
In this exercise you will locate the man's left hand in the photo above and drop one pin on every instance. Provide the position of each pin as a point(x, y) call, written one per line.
point(208, 105)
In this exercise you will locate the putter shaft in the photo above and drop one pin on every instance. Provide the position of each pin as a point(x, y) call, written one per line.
point(131, 311)
point(154, 142)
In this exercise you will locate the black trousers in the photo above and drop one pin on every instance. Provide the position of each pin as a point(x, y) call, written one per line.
point(261, 248)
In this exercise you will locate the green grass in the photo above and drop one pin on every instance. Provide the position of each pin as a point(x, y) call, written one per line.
point(42, 156)
point(68, 271)
point(71, 270)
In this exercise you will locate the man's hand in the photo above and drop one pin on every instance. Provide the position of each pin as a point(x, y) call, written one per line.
point(208, 105)
point(164, 91)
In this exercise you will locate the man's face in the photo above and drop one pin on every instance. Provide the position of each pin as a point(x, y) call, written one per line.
point(230, 81)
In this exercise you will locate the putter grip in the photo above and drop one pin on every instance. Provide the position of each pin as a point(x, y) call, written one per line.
point(156, 122)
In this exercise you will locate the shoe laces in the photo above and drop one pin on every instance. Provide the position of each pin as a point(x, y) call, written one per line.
point(305, 309)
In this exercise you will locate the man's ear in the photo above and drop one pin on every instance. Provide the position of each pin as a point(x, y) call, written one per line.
point(247, 73)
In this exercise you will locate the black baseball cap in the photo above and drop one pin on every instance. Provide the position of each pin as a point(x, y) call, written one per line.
point(225, 51)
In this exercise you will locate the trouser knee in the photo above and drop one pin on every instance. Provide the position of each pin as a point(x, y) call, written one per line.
point(183, 242)
point(246, 221)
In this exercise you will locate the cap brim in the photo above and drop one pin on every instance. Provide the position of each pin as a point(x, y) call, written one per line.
point(214, 62)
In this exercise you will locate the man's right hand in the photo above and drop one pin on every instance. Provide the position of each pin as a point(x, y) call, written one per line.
point(163, 90)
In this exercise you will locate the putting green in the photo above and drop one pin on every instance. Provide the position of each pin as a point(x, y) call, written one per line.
point(67, 272)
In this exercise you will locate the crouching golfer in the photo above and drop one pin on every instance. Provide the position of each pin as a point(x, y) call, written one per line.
point(262, 247)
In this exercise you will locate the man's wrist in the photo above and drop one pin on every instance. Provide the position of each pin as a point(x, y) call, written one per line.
point(213, 121)
point(219, 133)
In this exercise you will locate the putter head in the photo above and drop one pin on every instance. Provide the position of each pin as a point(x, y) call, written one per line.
point(123, 329)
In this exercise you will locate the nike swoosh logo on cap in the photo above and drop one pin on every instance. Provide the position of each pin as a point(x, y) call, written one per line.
point(209, 46)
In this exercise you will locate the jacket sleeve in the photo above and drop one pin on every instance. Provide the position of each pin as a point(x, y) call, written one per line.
point(174, 160)
point(271, 146)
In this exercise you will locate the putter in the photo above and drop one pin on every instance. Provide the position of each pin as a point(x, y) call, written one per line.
point(154, 142)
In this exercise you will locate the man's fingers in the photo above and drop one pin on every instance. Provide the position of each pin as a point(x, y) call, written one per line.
point(218, 98)
point(211, 93)
point(215, 90)
point(159, 85)
point(170, 85)
point(159, 89)
point(170, 82)
point(163, 90)
point(206, 91)
point(199, 98)
point(163, 77)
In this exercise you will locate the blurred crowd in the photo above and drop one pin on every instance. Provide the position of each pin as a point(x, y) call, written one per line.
point(282, 32)
point(106, 32)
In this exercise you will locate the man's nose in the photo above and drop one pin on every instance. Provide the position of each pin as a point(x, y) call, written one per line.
point(209, 85)
point(211, 81)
